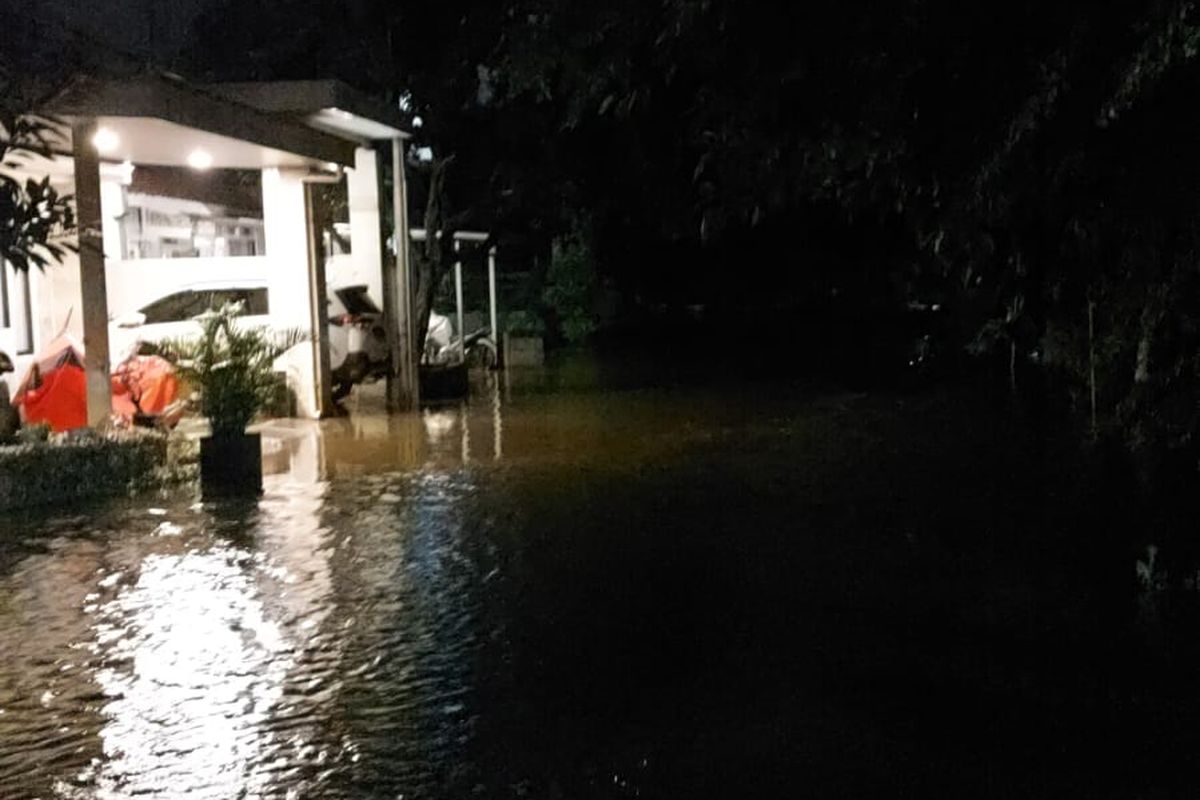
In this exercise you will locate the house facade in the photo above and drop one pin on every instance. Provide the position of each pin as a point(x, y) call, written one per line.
point(180, 185)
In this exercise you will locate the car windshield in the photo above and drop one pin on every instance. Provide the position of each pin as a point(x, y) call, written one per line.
point(176, 307)
point(190, 303)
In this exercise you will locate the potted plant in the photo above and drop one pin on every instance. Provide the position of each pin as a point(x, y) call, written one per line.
point(231, 367)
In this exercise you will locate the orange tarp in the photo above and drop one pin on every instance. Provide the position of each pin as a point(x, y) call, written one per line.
point(60, 400)
point(147, 383)
point(54, 390)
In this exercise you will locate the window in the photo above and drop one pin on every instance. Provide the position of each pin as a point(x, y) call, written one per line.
point(254, 300)
point(174, 213)
point(176, 307)
point(16, 306)
point(5, 313)
point(186, 305)
point(20, 307)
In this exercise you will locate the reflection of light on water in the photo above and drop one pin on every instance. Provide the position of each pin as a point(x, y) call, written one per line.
point(197, 656)
point(438, 424)
point(497, 423)
point(194, 675)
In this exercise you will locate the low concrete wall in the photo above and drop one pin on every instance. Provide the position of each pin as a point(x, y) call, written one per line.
point(523, 351)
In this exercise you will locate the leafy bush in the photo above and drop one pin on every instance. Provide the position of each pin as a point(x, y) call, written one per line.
point(73, 467)
point(572, 287)
point(33, 434)
point(523, 323)
point(231, 366)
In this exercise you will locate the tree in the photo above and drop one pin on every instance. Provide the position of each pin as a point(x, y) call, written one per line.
point(1032, 162)
point(34, 217)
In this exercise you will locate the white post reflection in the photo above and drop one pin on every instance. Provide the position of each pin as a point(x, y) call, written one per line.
point(497, 423)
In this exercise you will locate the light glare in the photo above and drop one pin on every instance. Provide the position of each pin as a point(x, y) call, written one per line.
point(200, 159)
point(105, 140)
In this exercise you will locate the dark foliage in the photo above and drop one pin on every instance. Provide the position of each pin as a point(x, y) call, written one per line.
point(1028, 164)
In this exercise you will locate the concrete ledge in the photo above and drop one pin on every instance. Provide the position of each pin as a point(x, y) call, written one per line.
point(523, 351)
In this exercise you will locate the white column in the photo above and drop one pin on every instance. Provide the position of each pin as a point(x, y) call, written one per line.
point(293, 295)
point(366, 230)
point(112, 200)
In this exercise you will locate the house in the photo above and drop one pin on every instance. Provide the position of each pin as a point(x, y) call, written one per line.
point(178, 183)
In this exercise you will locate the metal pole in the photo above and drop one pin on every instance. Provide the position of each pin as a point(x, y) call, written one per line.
point(458, 299)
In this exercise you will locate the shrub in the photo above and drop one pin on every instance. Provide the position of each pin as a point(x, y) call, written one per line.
point(572, 287)
point(74, 467)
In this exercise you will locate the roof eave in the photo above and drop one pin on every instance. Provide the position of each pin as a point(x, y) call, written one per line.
point(173, 100)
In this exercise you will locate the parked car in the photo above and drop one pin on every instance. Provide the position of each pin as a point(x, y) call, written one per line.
point(358, 347)
point(171, 316)
point(357, 342)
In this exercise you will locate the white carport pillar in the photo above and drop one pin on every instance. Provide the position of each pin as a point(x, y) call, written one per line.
point(297, 284)
point(363, 188)
point(93, 289)
point(403, 390)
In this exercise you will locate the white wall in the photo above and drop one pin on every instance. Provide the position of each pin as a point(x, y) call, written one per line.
point(285, 218)
point(365, 262)
point(56, 295)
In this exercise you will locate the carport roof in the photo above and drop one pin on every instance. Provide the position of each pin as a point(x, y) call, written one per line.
point(160, 118)
point(327, 105)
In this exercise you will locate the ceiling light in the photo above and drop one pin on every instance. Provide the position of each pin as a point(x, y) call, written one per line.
point(200, 159)
point(105, 140)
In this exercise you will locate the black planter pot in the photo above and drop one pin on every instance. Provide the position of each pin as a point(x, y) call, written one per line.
point(443, 382)
point(231, 465)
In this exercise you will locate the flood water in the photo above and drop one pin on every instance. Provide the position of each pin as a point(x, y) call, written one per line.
point(576, 586)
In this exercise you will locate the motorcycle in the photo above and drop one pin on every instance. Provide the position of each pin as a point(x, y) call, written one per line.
point(477, 349)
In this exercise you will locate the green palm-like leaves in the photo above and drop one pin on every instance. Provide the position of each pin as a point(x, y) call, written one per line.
point(34, 217)
point(231, 365)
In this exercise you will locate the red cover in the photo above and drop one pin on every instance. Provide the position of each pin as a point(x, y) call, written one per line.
point(60, 400)
point(54, 390)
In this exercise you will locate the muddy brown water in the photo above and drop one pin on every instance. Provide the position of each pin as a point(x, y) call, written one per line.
point(573, 587)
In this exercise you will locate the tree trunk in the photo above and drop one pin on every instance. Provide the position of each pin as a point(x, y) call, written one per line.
point(431, 256)
point(1012, 367)
point(1092, 359)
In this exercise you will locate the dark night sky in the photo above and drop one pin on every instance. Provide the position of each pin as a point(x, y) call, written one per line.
point(150, 27)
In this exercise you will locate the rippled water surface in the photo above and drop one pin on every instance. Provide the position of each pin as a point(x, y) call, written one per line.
point(561, 589)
